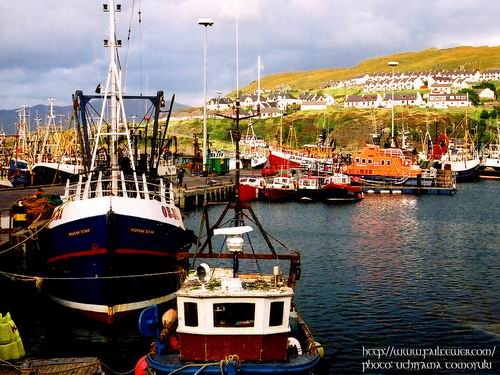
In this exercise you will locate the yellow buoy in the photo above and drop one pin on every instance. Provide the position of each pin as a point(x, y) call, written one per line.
point(320, 349)
point(11, 346)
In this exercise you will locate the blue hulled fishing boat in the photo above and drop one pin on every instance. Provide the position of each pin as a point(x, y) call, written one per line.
point(111, 246)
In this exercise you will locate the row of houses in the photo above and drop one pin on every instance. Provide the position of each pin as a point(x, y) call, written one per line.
point(381, 82)
point(278, 99)
point(407, 100)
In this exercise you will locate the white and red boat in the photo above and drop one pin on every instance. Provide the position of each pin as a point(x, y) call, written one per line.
point(310, 157)
point(336, 187)
point(250, 188)
point(281, 189)
point(229, 322)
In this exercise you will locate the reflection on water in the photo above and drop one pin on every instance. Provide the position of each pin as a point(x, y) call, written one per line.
point(401, 270)
point(397, 270)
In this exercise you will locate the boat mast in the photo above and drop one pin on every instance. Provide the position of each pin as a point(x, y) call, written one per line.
point(115, 81)
point(50, 122)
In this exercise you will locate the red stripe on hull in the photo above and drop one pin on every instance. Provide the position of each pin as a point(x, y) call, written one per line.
point(93, 252)
point(78, 254)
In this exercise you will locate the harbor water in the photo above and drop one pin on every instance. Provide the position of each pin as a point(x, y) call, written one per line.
point(384, 281)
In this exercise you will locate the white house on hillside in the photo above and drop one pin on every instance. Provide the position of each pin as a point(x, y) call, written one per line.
point(490, 75)
point(363, 101)
point(441, 88)
point(486, 94)
point(408, 100)
point(219, 104)
point(447, 100)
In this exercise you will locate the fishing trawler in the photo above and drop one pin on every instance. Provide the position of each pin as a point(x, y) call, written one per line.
point(331, 188)
point(456, 155)
point(230, 321)
point(19, 173)
point(57, 159)
point(490, 163)
point(111, 246)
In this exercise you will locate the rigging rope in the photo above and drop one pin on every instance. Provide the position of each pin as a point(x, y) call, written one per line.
point(14, 276)
point(140, 47)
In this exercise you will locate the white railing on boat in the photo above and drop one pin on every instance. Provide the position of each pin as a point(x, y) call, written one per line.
point(126, 187)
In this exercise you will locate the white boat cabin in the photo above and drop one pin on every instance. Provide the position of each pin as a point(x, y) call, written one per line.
point(221, 315)
point(309, 183)
point(283, 183)
point(337, 178)
point(258, 182)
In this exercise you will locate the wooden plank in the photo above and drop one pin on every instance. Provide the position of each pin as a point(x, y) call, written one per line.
point(60, 366)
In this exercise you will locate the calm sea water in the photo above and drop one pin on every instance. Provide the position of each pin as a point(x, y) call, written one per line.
point(392, 272)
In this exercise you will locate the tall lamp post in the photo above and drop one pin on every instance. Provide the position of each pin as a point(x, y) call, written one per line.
point(393, 64)
point(205, 22)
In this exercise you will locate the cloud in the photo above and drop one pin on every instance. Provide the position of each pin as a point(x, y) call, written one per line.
point(54, 47)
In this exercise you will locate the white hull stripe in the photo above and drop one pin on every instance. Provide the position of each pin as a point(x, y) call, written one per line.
point(103, 309)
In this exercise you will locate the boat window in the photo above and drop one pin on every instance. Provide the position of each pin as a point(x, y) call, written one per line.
point(234, 314)
point(370, 161)
point(388, 162)
point(191, 314)
point(357, 160)
point(382, 162)
point(363, 160)
point(276, 315)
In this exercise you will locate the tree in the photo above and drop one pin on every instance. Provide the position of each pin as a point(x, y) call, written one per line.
point(486, 85)
point(473, 96)
point(484, 114)
point(493, 113)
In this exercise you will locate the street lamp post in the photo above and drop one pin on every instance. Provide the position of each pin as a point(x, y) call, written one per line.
point(205, 22)
point(393, 64)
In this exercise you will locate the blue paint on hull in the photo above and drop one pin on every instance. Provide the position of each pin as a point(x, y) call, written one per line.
point(468, 175)
point(112, 259)
point(303, 364)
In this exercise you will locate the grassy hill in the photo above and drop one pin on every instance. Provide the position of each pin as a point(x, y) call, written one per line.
point(430, 59)
point(350, 128)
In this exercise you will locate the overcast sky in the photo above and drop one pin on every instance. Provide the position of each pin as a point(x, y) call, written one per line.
point(54, 47)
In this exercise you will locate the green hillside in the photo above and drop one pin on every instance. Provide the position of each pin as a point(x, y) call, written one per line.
point(351, 128)
point(466, 58)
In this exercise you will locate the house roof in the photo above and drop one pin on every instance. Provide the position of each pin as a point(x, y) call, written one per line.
point(361, 98)
point(400, 96)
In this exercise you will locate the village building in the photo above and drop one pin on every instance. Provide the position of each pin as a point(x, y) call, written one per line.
point(219, 104)
point(403, 100)
point(443, 101)
point(486, 94)
point(441, 88)
point(363, 101)
point(490, 75)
